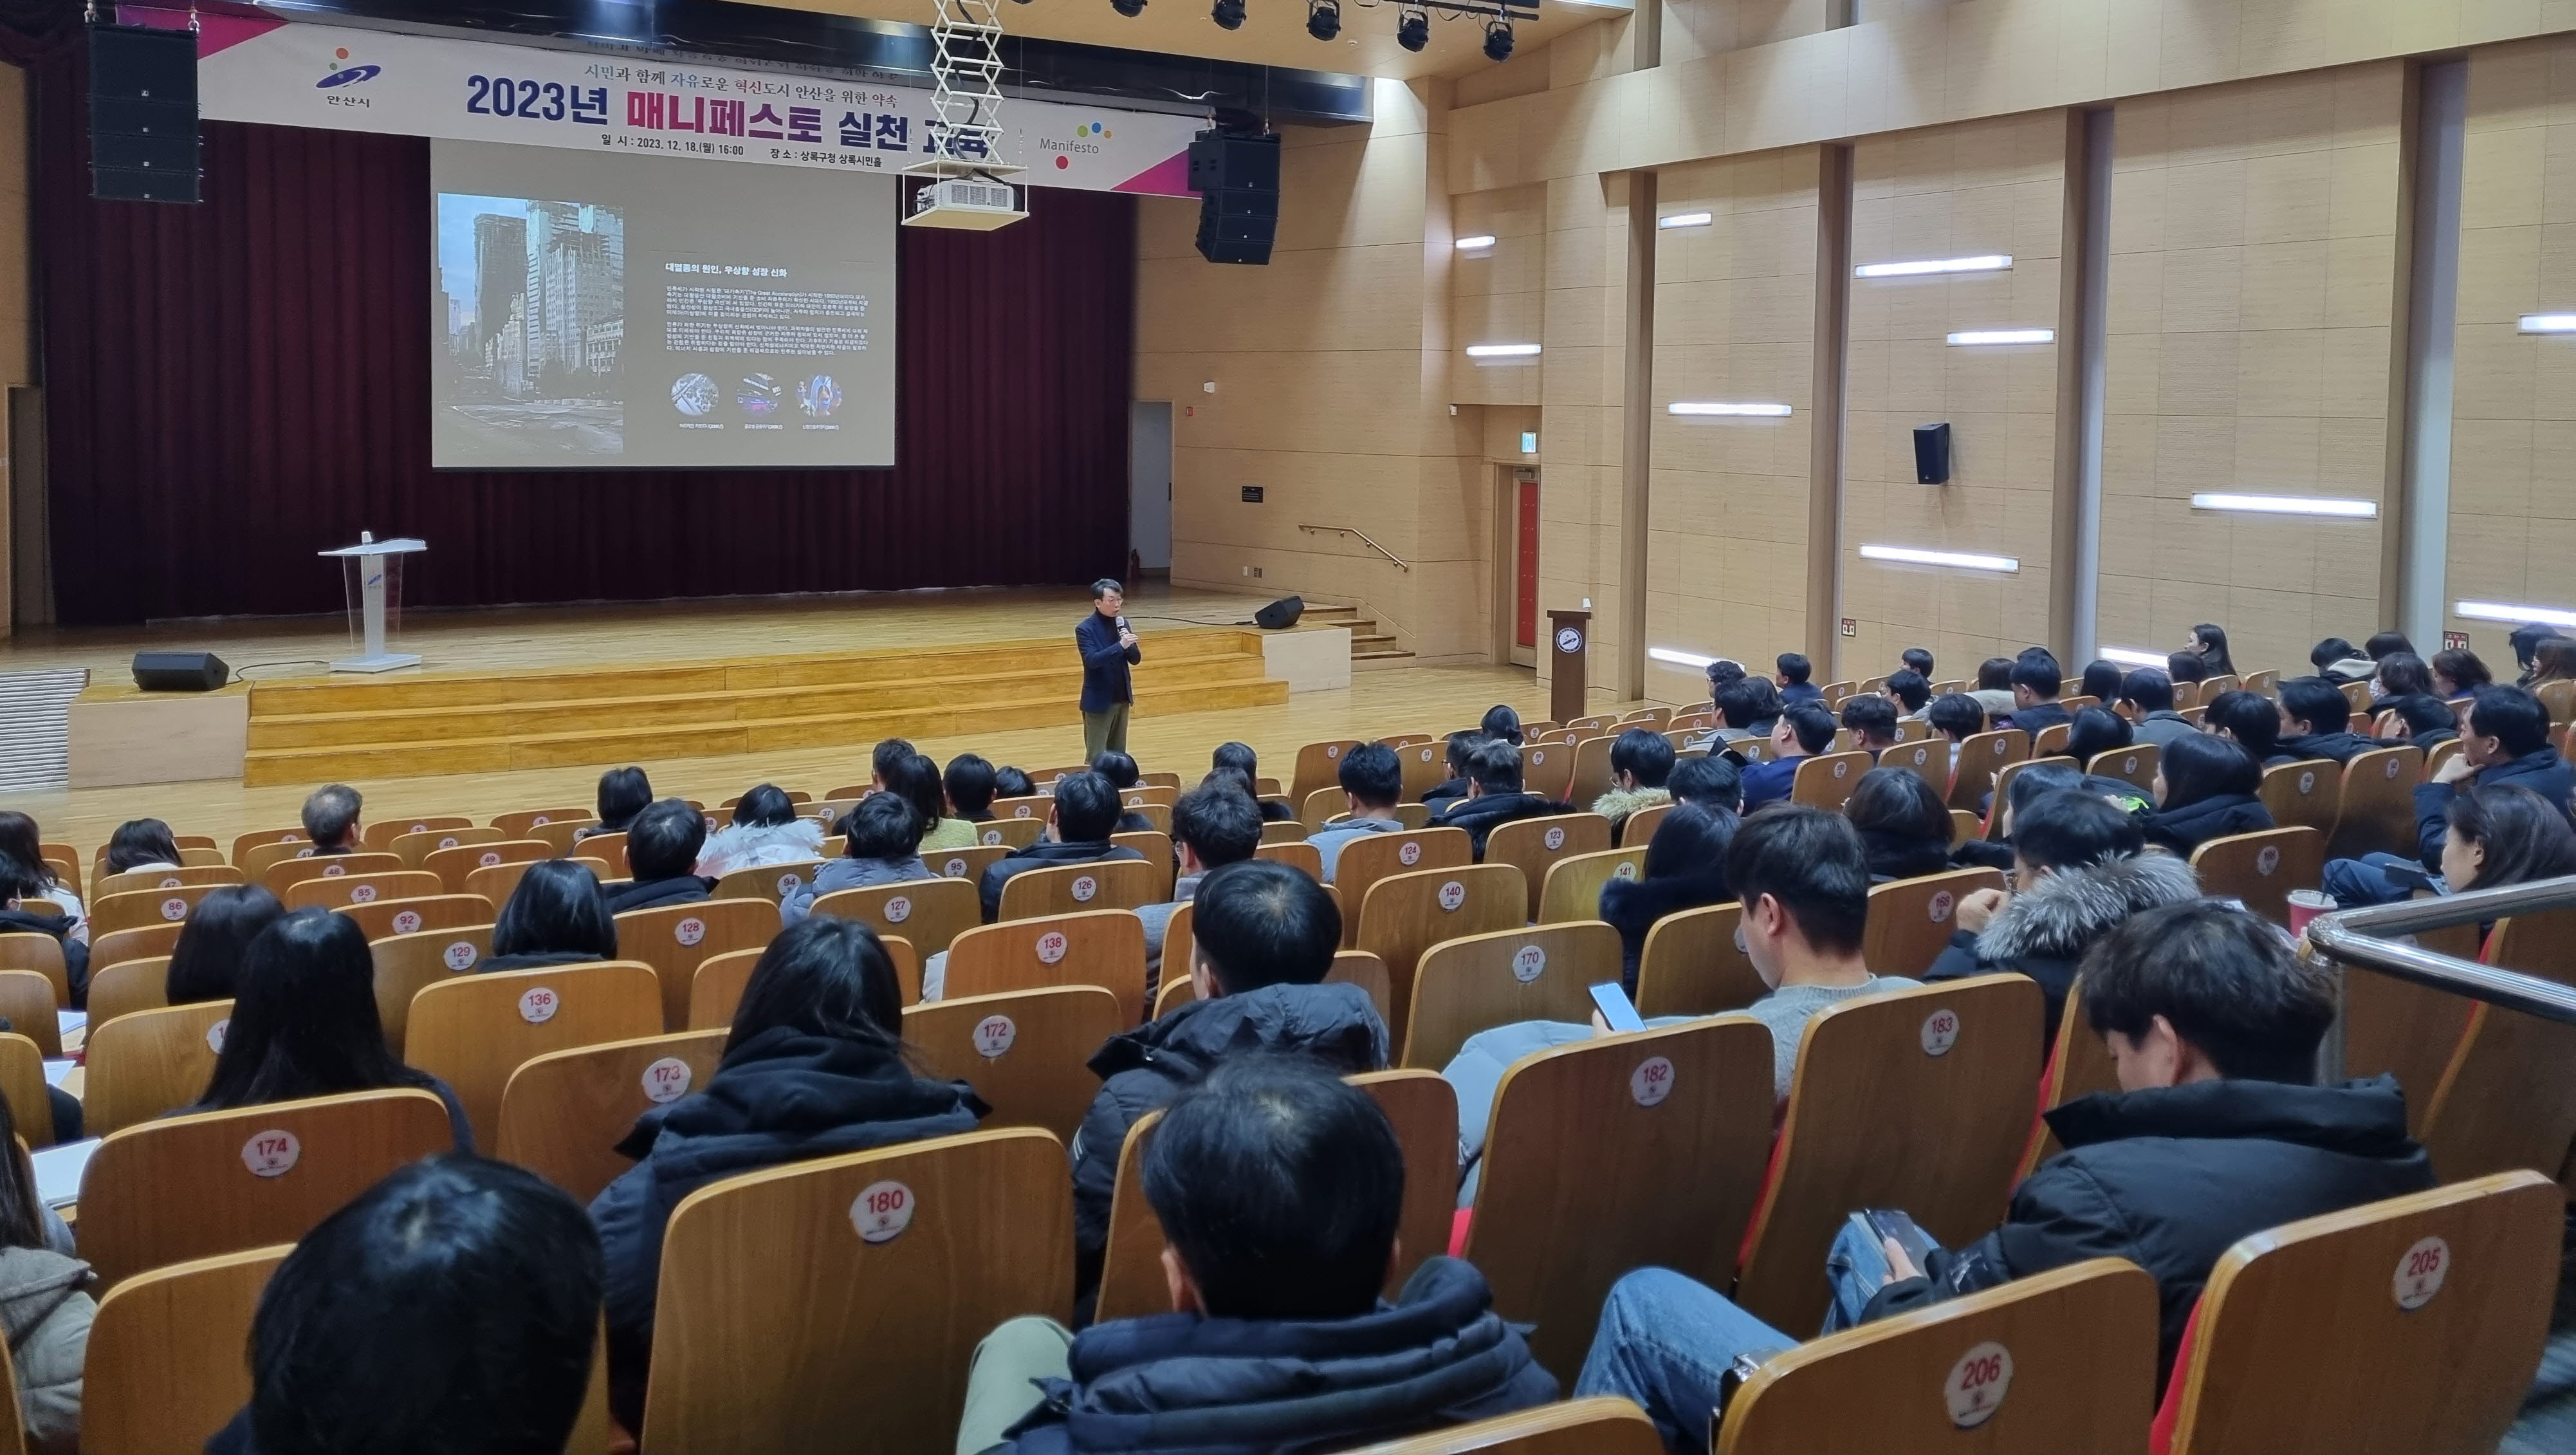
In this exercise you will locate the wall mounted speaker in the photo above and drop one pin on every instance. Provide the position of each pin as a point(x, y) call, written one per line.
point(1932, 453)
point(1236, 175)
point(143, 114)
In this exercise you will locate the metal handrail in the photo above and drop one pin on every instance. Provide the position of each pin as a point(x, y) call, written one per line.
point(1350, 530)
point(2354, 937)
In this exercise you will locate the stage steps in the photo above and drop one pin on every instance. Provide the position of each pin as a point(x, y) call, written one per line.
point(321, 730)
point(1372, 646)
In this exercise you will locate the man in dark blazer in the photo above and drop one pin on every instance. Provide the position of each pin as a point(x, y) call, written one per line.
point(1108, 650)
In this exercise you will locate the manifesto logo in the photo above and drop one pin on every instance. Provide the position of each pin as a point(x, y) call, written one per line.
point(348, 74)
point(1086, 139)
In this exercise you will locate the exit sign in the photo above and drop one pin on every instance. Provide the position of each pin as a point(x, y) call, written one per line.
point(2455, 641)
point(1851, 626)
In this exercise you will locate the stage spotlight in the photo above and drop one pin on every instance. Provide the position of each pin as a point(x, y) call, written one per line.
point(1323, 18)
point(1413, 28)
point(1129, 8)
point(1498, 39)
point(1228, 14)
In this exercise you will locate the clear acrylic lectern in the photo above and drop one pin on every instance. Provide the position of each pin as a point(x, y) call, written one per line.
point(371, 575)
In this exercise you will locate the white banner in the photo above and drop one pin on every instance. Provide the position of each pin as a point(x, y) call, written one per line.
point(284, 74)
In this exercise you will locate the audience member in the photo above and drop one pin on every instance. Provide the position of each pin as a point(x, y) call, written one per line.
point(2383, 645)
point(1872, 720)
point(2184, 667)
point(1641, 765)
point(882, 846)
point(884, 756)
point(2501, 836)
point(2401, 674)
point(1010, 782)
point(1904, 826)
point(1805, 730)
point(1494, 796)
point(766, 830)
point(1993, 691)
point(452, 1306)
point(2101, 681)
point(142, 843)
point(45, 1309)
point(1793, 683)
point(662, 854)
point(2209, 643)
point(1740, 708)
point(1721, 672)
point(2215, 1134)
point(2316, 721)
point(304, 1023)
point(1910, 692)
point(1917, 660)
point(1502, 722)
point(1240, 756)
point(1957, 717)
point(1211, 828)
point(2422, 721)
point(1803, 879)
point(916, 778)
point(1084, 815)
point(1372, 781)
point(2147, 701)
point(623, 793)
point(2250, 721)
point(1261, 941)
point(2339, 661)
point(2036, 682)
point(1685, 869)
point(2525, 641)
point(2553, 660)
point(2025, 788)
point(2458, 672)
point(1713, 782)
point(1123, 774)
point(1278, 1187)
point(2505, 745)
point(206, 964)
point(814, 1066)
point(2206, 788)
point(2096, 730)
point(1459, 747)
point(555, 916)
point(331, 818)
point(2080, 868)
point(969, 786)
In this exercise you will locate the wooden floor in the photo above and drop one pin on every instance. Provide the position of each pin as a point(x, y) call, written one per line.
point(1377, 704)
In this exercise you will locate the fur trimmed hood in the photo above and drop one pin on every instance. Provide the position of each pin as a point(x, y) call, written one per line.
point(1619, 804)
point(2059, 917)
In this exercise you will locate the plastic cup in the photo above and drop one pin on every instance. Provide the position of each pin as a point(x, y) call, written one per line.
point(2305, 905)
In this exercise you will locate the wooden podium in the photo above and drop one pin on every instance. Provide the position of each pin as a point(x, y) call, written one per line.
point(1569, 638)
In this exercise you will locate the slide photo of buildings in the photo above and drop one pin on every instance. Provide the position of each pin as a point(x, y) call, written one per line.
point(534, 301)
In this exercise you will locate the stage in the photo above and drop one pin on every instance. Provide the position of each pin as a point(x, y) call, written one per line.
point(1008, 640)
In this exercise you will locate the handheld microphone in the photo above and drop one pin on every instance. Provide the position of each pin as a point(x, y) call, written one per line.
point(1122, 623)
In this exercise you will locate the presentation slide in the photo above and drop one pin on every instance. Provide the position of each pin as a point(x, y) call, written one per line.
point(601, 312)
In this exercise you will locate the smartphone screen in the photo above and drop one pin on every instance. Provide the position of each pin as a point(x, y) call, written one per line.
point(1616, 1009)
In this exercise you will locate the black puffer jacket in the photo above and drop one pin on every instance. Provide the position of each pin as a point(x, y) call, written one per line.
point(2184, 829)
point(1633, 905)
point(1893, 856)
point(2044, 933)
point(2170, 1179)
point(1482, 815)
point(2340, 747)
point(1142, 1069)
point(655, 893)
point(1439, 1355)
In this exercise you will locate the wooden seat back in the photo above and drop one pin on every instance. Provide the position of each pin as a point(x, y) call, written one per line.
point(1981, 757)
point(2305, 1330)
point(2079, 1065)
point(472, 1031)
point(1603, 1424)
point(564, 1112)
point(1618, 1153)
point(2262, 868)
point(1591, 768)
point(561, 834)
point(1927, 759)
point(1694, 963)
point(135, 879)
point(772, 882)
point(1406, 914)
point(1996, 818)
point(1319, 765)
point(1639, 830)
point(866, 1279)
point(262, 839)
point(414, 849)
point(1537, 845)
point(1920, 1099)
point(1826, 780)
point(2308, 793)
point(677, 938)
point(968, 864)
point(1156, 846)
point(517, 824)
point(378, 837)
point(1076, 888)
point(1103, 947)
point(285, 874)
point(129, 986)
point(1910, 920)
point(22, 1085)
point(43, 954)
point(2377, 811)
point(1573, 888)
point(454, 867)
point(1543, 972)
point(1424, 763)
point(1301, 856)
point(27, 1009)
point(2051, 739)
point(406, 964)
point(2507, 1097)
point(169, 1190)
point(167, 1365)
point(2063, 1360)
point(361, 889)
point(2398, 1028)
point(385, 918)
point(2134, 765)
point(497, 882)
point(1547, 769)
point(1373, 857)
point(137, 908)
point(931, 913)
point(150, 1062)
point(1026, 1052)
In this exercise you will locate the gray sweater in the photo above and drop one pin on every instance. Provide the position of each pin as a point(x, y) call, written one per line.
point(1788, 1009)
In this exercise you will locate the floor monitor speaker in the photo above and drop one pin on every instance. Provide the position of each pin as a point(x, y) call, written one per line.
point(180, 671)
point(1280, 615)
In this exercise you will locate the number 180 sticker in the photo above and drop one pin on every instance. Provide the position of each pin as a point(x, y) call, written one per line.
point(881, 1211)
point(271, 1153)
point(1977, 1384)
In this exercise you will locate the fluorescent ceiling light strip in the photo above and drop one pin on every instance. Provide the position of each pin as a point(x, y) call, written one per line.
point(2133, 659)
point(1501, 351)
point(1686, 219)
point(2549, 323)
point(1986, 263)
point(1679, 658)
point(2288, 505)
point(1964, 560)
point(1759, 411)
point(2506, 611)
point(2006, 336)
point(1480, 240)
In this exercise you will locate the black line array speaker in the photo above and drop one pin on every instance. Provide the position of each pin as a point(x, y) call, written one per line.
point(180, 671)
point(1236, 175)
point(1932, 454)
point(143, 114)
point(1280, 615)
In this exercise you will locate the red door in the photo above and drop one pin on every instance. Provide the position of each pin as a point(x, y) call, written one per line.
point(1528, 565)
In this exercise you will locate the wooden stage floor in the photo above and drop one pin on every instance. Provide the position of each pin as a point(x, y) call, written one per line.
point(1378, 703)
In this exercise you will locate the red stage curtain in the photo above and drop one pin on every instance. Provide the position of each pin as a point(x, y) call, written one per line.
point(234, 386)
